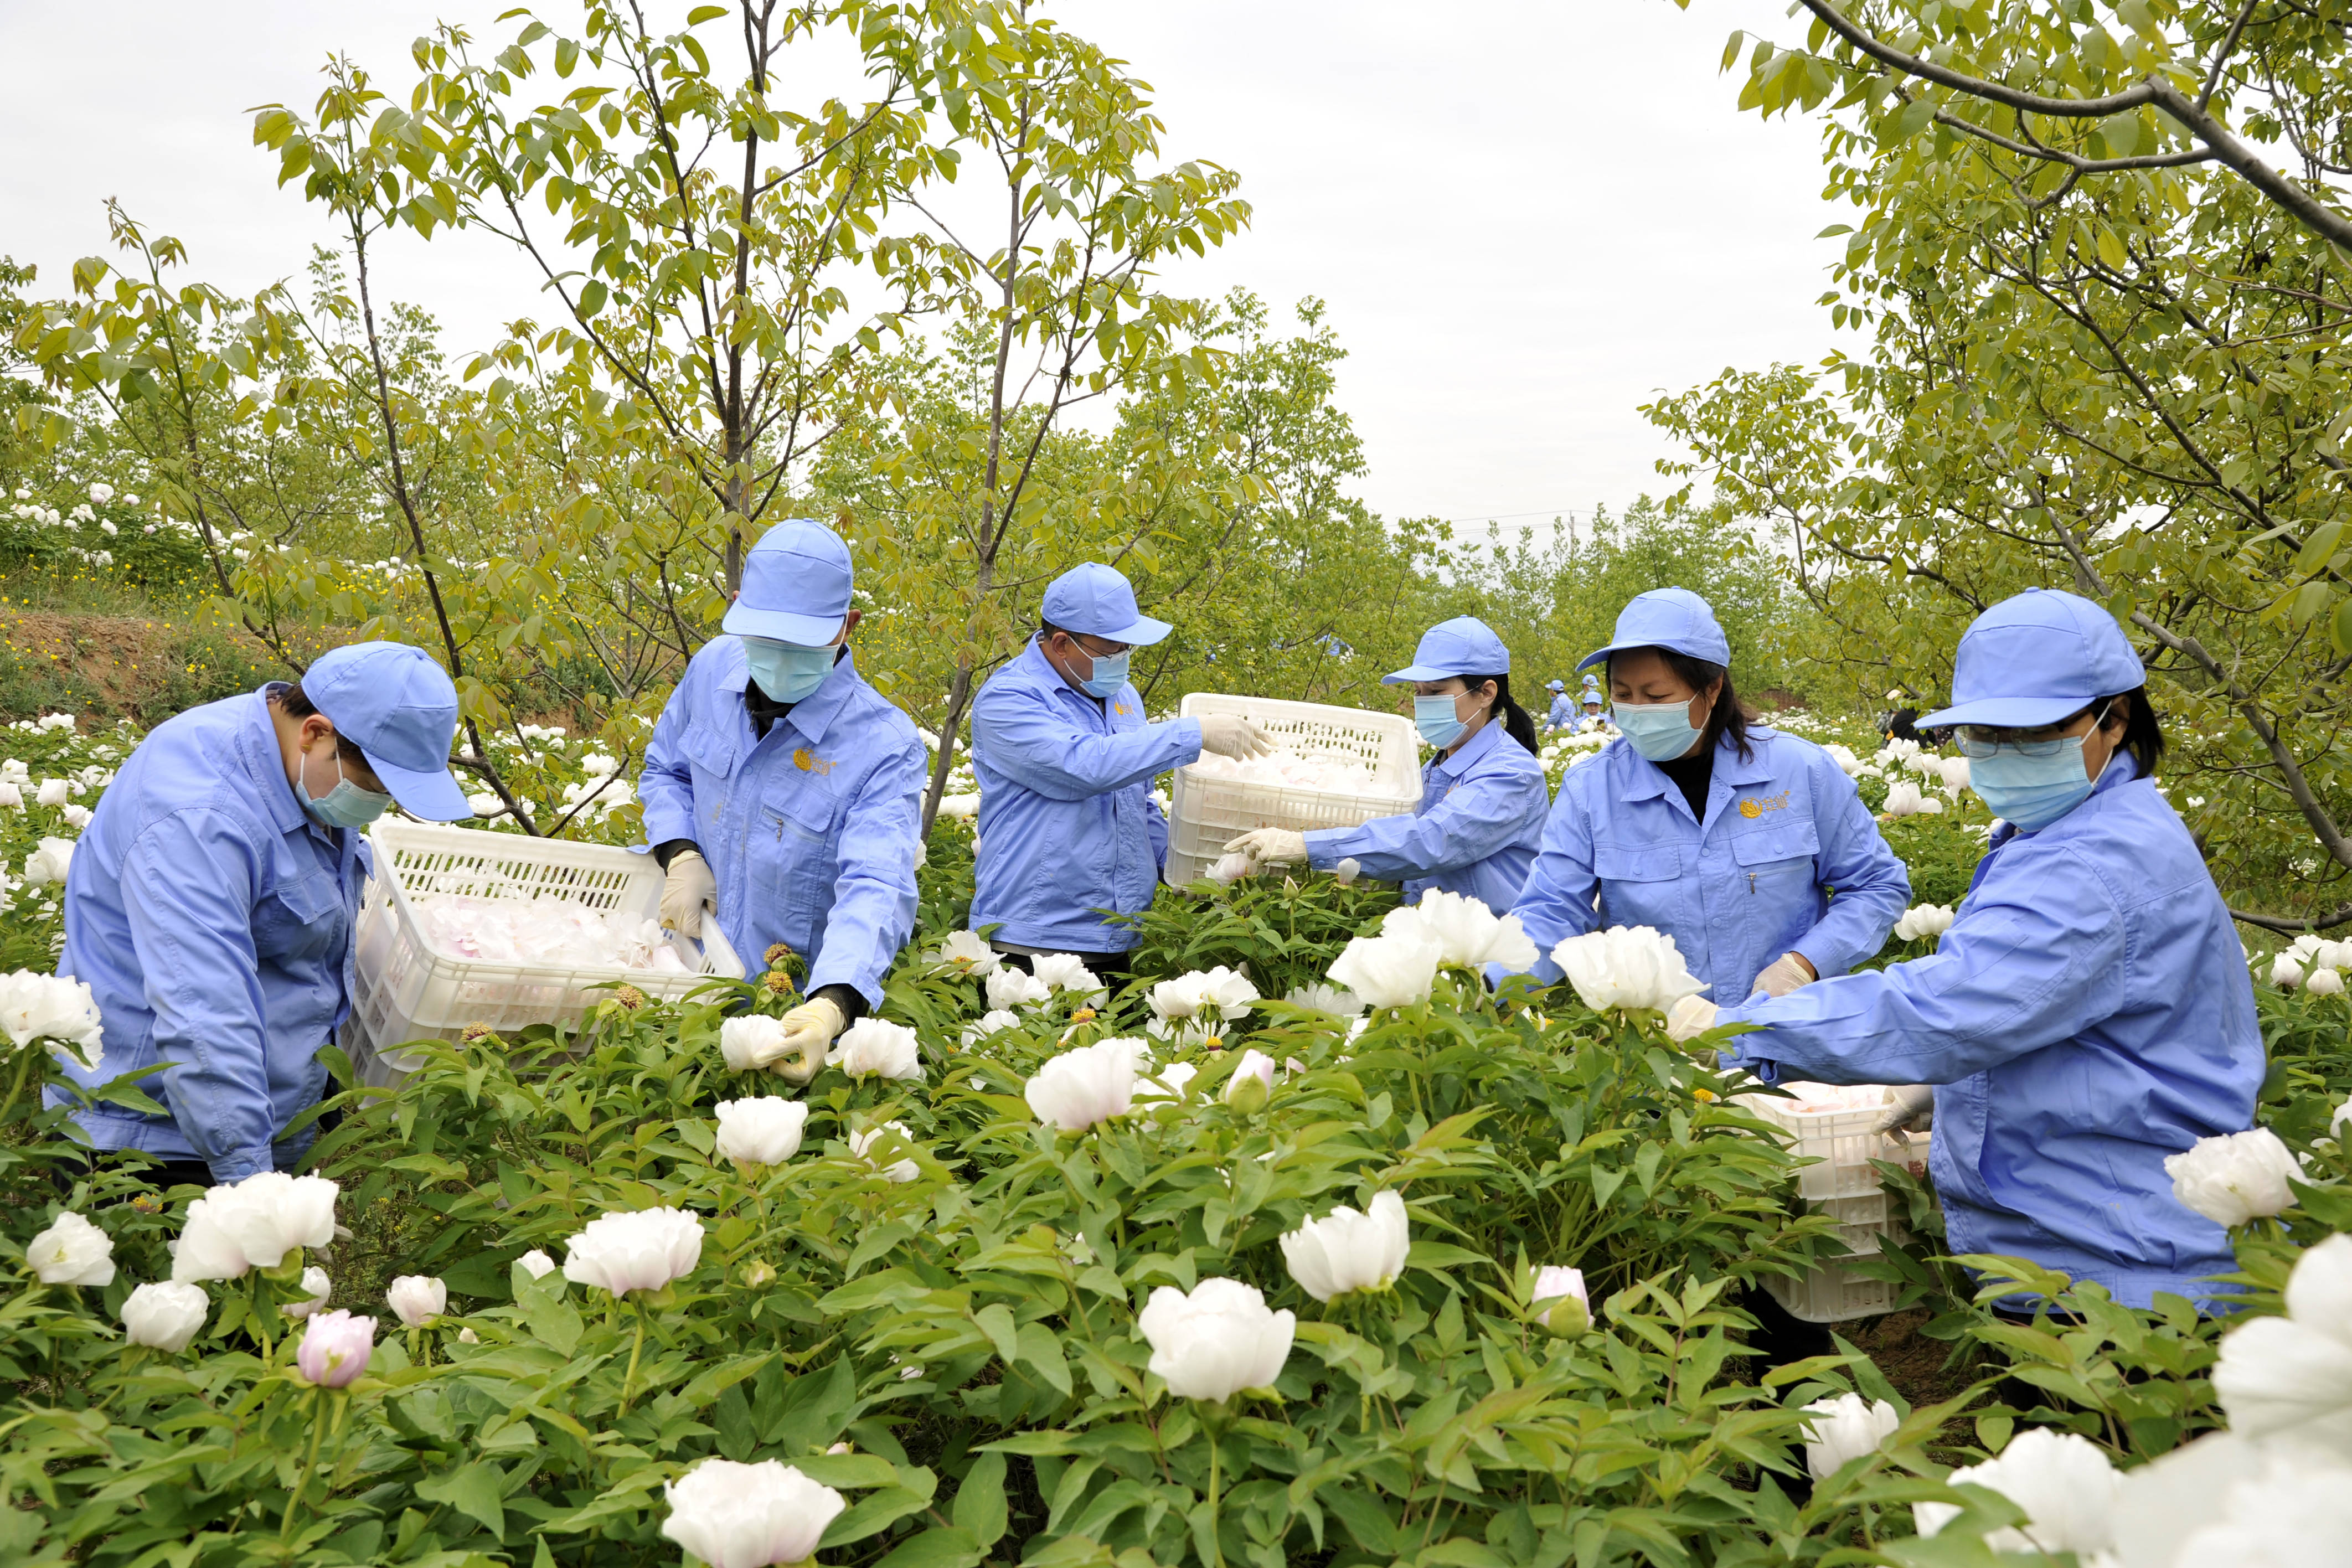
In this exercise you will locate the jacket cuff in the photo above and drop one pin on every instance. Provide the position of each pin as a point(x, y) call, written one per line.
point(669, 849)
point(233, 1168)
point(851, 1001)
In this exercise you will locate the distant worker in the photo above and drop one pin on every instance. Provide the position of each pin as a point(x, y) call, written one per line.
point(1067, 826)
point(1562, 713)
point(2088, 1013)
point(783, 792)
point(1595, 707)
point(211, 900)
point(1724, 835)
point(1483, 795)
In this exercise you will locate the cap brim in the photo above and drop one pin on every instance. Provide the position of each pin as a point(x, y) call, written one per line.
point(1141, 632)
point(430, 796)
point(2006, 712)
point(781, 625)
point(1418, 672)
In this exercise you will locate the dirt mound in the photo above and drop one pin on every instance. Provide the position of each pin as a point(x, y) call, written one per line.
point(117, 666)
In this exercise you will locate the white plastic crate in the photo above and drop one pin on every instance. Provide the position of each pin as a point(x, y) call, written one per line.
point(1205, 812)
point(406, 989)
point(1845, 1187)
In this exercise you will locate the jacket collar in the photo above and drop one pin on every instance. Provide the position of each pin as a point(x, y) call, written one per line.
point(812, 714)
point(1476, 747)
point(1643, 779)
point(257, 752)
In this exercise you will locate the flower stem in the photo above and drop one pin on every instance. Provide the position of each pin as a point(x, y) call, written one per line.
point(1216, 1546)
point(302, 1481)
point(25, 1058)
point(637, 1347)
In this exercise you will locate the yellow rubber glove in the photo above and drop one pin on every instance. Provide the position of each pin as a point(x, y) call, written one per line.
point(1786, 974)
point(809, 1030)
point(1690, 1018)
point(689, 888)
point(1269, 846)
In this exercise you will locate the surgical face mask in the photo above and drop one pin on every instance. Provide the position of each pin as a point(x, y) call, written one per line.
point(1659, 731)
point(786, 671)
point(1435, 717)
point(1109, 678)
point(2033, 788)
point(346, 805)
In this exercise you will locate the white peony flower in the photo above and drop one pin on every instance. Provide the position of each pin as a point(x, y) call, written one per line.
point(871, 1046)
point(1218, 992)
point(1067, 972)
point(641, 1251)
point(748, 1042)
point(1166, 1083)
point(11, 795)
point(2065, 1483)
point(1846, 1429)
point(762, 1132)
point(2234, 1178)
point(316, 1289)
point(51, 1007)
point(1467, 934)
point(1215, 1342)
point(1626, 966)
point(733, 1515)
point(1903, 799)
point(1329, 999)
point(540, 1263)
point(597, 764)
point(2295, 1513)
point(49, 862)
point(254, 1223)
point(1571, 1310)
point(1346, 1251)
point(2285, 972)
point(2289, 1380)
point(966, 952)
point(2324, 983)
point(55, 791)
point(1009, 988)
point(1079, 1089)
point(164, 1317)
point(72, 1251)
point(989, 1023)
point(417, 1298)
point(77, 818)
point(861, 1144)
point(1955, 772)
point(1387, 971)
point(1923, 920)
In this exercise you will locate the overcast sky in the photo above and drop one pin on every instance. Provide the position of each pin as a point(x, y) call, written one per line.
point(1526, 217)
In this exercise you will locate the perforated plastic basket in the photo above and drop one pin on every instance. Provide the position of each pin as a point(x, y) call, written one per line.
point(1205, 812)
point(1845, 1187)
point(406, 989)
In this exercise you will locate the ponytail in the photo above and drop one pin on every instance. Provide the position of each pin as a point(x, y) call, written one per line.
point(1513, 718)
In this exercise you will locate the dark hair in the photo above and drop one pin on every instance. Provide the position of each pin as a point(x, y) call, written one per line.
point(1516, 721)
point(295, 703)
point(2143, 734)
point(1727, 717)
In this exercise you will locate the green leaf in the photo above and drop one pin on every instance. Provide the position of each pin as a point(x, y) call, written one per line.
point(952, 1547)
point(980, 1506)
point(701, 14)
point(475, 1490)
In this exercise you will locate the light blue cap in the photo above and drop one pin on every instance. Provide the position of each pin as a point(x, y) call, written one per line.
point(398, 707)
point(1096, 599)
point(1555, 686)
point(2035, 659)
point(1463, 645)
point(795, 586)
point(1673, 618)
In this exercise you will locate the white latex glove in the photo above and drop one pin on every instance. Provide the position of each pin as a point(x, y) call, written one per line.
point(1690, 1018)
point(689, 888)
point(1231, 735)
point(1786, 974)
point(1913, 1110)
point(809, 1029)
point(1269, 846)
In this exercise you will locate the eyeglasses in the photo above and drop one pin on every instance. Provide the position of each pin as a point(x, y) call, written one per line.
point(1978, 741)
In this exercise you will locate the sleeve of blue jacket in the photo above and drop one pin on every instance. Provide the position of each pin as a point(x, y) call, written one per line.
point(1040, 750)
point(188, 888)
point(2013, 975)
point(1155, 822)
point(1481, 816)
point(874, 893)
point(1563, 896)
point(1872, 886)
point(667, 787)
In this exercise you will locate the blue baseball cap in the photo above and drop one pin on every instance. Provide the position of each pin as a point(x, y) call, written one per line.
point(795, 586)
point(1462, 646)
point(398, 707)
point(2035, 659)
point(1096, 599)
point(1555, 686)
point(1673, 618)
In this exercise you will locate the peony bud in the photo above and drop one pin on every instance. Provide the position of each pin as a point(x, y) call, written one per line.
point(1846, 1429)
point(335, 1349)
point(316, 1289)
point(1251, 1083)
point(164, 1317)
point(1570, 1310)
point(1346, 1251)
point(540, 1263)
point(417, 1298)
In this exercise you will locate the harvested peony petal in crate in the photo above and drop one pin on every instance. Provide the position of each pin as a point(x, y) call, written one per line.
point(545, 930)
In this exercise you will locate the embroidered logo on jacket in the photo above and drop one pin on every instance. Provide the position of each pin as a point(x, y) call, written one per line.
point(1754, 807)
point(808, 763)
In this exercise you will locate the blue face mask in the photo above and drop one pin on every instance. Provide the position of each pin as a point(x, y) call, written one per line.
point(786, 671)
point(1435, 717)
point(2032, 791)
point(346, 805)
point(1659, 731)
point(1109, 678)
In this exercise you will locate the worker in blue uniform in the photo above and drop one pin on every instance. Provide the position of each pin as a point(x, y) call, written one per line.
point(1069, 833)
point(1483, 795)
point(211, 899)
point(784, 793)
point(2088, 1013)
point(1724, 835)
point(1562, 712)
point(1593, 705)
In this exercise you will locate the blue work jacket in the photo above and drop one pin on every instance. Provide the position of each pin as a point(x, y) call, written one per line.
point(1475, 830)
point(811, 831)
point(1734, 891)
point(1563, 712)
point(212, 918)
point(2087, 1013)
point(1067, 826)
